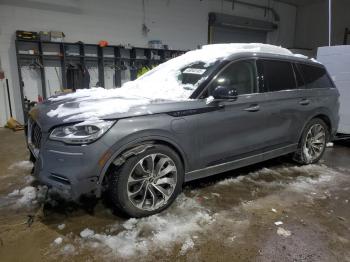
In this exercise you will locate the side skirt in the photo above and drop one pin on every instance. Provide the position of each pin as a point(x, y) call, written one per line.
point(212, 170)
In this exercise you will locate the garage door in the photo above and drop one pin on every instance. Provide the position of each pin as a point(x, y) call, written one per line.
point(224, 28)
point(236, 35)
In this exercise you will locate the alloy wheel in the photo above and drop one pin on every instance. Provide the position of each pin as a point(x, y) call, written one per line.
point(315, 142)
point(152, 181)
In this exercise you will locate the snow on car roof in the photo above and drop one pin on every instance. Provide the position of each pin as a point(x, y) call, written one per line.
point(229, 49)
point(160, 83)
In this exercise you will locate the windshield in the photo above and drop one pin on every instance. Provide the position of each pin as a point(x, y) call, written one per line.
point(175, 79)
point(192, 75)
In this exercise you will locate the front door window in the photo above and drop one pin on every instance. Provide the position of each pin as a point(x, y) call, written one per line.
point(239, 76)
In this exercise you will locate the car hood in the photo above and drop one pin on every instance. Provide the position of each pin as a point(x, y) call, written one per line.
point(51, 113)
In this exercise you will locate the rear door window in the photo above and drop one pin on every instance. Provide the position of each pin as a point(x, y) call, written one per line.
point(276, 75)
point(315, 76)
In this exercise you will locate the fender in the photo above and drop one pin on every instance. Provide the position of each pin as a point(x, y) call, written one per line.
point(317, 112)
point(135, 147)
point(131, 152)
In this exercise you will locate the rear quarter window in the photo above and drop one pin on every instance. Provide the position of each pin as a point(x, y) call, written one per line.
point(315, 76)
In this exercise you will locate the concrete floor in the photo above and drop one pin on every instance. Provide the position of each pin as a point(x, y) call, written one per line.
point(229, 217)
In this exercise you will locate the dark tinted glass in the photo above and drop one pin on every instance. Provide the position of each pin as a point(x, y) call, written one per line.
point(240, 76)
point(277, 75)
point(298, 77)
point(315, 77)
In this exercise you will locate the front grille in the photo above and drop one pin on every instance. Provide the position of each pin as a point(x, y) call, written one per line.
point(36, 135)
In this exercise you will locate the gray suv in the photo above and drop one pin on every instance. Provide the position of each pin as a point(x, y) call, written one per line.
point(239, 108)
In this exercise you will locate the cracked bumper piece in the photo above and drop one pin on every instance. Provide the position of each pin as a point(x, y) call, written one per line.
point(69, 171)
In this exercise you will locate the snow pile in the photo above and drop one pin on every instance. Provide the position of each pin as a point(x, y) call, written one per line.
point(315, 61)
point(159, 231)
point(27, 196)
point(189, 244)
point(315, 175)
point(307, 176)
point(330, 144)
point(29, 179)
point(253, 177)
point(301, 56)
point(161, 83)
point(86, 233)
point(23, 165)
point(283, 232)
point(58, 241)
point(68, 249)
point(95, 103)
point(61, 226)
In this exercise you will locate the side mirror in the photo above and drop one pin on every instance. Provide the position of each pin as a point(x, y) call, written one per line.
point(225, 93)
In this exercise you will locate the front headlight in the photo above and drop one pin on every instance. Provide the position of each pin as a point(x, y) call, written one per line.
point(81, 133)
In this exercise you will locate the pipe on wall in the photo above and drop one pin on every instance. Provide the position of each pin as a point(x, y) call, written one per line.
point(266, 8)
point(329, 22)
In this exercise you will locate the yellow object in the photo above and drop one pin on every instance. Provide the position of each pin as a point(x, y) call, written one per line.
point(142, 71)
point(14, 124)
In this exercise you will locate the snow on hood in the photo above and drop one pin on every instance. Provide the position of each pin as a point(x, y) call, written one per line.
point(161, 83)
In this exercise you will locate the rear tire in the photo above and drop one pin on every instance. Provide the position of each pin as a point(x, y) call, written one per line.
point(312, 143)
point(147, 183)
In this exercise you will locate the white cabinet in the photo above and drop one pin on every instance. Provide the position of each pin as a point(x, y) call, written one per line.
point(337, 61)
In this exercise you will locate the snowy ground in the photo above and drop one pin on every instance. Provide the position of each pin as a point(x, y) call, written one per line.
point(274, 211)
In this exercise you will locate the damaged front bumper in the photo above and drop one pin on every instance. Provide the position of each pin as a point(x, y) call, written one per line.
point(69, 171)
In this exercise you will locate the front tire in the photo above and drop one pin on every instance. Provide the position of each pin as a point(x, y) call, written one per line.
point(147, 183)
point(312, 143)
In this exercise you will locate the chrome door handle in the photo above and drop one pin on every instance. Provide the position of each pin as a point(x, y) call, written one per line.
point(252, 108)
point(304, 102)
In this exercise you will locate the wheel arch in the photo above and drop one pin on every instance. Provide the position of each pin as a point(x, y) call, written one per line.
point(136, 147)
point(325, 119)
point(321, 115)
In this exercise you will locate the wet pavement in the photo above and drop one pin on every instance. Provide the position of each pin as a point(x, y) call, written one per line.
point(274, 211)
